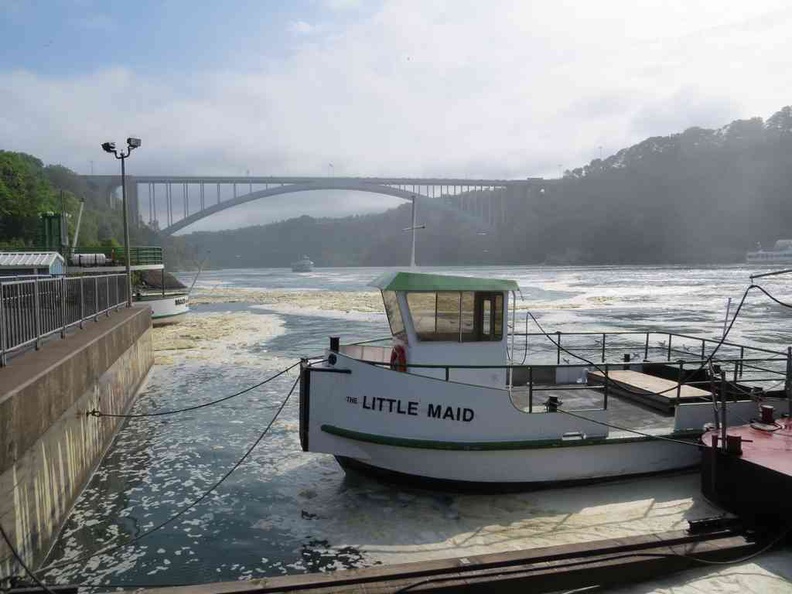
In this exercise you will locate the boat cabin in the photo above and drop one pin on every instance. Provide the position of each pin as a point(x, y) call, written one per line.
point(448, 320)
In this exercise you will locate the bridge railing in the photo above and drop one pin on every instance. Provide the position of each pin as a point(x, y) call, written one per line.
point(32, 309)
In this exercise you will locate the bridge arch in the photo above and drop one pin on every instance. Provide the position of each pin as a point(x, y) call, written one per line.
point(329, 184)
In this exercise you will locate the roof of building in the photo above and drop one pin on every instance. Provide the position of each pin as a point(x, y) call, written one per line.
point(29, 259)
point(417, 281)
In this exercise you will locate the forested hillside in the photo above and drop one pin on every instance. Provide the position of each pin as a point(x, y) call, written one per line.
point(700, 196)
point(28, 188)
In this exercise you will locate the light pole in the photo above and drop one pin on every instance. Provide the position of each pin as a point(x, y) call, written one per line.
point(414, 228)
point(109, 147)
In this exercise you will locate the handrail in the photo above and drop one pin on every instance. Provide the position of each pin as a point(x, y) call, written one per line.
point(651, 333)
point(31, 310)
point(570, 365)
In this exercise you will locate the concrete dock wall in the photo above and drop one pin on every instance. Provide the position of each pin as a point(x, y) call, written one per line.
point(48, 445)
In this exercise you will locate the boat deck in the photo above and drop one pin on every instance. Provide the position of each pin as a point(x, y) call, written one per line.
point(622, 411)
point(649, 389)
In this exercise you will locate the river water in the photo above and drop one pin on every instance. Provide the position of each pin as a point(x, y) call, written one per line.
point(284, 511)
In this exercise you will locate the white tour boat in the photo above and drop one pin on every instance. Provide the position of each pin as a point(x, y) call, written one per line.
point(780, 254)
point(304, 264)
point(168, 299)
point(447, 401)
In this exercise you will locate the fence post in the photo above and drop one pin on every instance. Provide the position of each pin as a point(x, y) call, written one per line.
point(788, 382)
point(605, 389)
point(679, 381)
point(603, 347)
point(668, 357)
point(37, 312)
point(63, 287)
point(530, 389)
point(558, 348)
point(742, 362)
point(96, 299)
point(107, 304)
point(82, 302)
point(3, 329)
point(646, 348)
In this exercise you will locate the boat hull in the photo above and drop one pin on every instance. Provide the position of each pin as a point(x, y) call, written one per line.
point(375, 420)
point(352, 465)
point(168, 309)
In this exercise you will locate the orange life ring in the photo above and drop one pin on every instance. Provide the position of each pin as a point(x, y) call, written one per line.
point(398, 360)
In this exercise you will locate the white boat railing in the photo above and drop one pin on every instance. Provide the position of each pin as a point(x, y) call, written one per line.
point(32, 309)
point(559, 359)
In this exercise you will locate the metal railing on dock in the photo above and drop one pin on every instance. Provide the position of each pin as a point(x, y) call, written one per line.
point(31, 309)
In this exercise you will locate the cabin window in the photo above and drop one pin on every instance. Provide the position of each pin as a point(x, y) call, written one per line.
point(457, 316)
point(394, 313)
point(423, 309)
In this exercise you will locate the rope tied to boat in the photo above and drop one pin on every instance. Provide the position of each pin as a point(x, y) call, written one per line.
point(189, 506)
point(99, 413)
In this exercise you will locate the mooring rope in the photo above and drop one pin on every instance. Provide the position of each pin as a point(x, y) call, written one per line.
point(99, 413)
point(186, 508)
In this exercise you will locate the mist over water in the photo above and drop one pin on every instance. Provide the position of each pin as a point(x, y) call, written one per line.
point(285, 511)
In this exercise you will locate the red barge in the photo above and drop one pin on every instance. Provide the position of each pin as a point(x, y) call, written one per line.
point(747, 469)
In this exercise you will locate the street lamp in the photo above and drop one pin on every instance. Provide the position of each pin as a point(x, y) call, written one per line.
point(110, 147)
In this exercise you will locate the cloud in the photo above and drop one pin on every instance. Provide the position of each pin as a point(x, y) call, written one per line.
point(301, 27)
point(456, 88)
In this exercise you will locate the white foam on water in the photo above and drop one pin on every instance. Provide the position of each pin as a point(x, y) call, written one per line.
point(217, 337)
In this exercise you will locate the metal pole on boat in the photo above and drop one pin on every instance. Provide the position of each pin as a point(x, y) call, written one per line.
point(413, 229)
point(723, 411)
point(789, 383)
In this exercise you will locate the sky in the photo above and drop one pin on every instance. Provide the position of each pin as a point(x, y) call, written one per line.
point(446, 88)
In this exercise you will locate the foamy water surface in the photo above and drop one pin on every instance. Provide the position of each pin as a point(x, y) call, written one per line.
point(285, 511)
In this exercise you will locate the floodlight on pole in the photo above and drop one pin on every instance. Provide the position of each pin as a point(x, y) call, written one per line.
point(110, 147)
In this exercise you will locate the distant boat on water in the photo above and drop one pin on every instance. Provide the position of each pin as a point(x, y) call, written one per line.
point(304, 264)
point(780, 254)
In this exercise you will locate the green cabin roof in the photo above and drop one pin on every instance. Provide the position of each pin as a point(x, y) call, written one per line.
point(417, 281)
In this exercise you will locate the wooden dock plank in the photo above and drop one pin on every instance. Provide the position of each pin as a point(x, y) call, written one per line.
point(642, 383)
point(543, 569)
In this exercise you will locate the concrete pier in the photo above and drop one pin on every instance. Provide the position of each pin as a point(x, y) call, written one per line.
point(48, 445)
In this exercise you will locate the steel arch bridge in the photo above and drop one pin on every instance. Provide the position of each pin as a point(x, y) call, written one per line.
point(173, 202)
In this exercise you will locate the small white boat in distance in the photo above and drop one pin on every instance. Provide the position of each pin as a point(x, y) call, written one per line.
point(304, 264)
point(780, 254)
point(443, 403)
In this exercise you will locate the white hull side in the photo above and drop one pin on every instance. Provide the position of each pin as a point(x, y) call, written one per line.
point(167, 310)
point(533, 466)
point(500, 444)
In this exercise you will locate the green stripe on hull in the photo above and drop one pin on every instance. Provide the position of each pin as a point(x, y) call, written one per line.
point(485, 446)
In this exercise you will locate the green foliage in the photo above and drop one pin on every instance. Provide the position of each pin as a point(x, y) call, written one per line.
point(28, 188)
